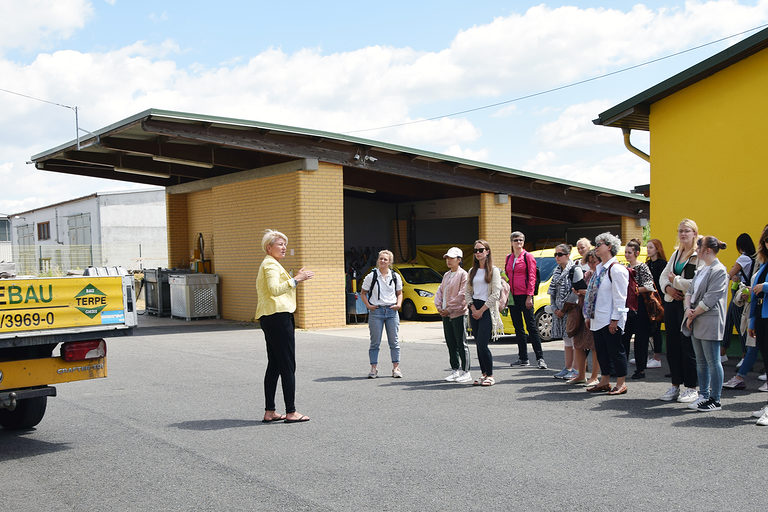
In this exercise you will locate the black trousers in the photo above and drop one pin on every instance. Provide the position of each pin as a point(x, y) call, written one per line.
point(680, 355)
point(639, 325)
point(517, 312)
point(281, 359)
point(610, 351)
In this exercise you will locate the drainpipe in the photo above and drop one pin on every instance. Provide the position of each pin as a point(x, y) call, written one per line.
point(633, 149)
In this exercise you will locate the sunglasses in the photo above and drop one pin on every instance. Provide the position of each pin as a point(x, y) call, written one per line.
point(482, 249)
point(598, 244)
point(558, 254)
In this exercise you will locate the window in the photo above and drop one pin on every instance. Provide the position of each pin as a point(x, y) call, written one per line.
point(43, 230)
point(5, 230)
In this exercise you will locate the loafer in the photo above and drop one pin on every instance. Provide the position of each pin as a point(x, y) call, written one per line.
point(576, 381)
point(639, 374)
point(600, 388)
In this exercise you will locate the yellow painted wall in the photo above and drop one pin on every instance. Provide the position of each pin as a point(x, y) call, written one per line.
point(306, 205)
point(709, 156)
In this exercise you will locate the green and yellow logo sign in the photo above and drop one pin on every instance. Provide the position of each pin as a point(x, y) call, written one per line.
point(90, 301)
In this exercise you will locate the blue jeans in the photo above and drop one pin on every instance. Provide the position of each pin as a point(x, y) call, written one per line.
point(750, 358)
point(709, 369)
point(378, 319)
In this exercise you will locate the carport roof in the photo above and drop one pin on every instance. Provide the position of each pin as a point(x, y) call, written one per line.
point(634, 112)
point(166, 148)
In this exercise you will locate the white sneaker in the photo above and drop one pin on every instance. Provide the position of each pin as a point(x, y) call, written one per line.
point(695, 403)
point(763, 377)
point(764, 387)
point(738, 365)
point(763, 419)
point(723, 358)
point(759, 413)
point(453, 376)
point(671, 394)
point(688, 395)
point(632, 361)
point(464, 377)
point(653, 363)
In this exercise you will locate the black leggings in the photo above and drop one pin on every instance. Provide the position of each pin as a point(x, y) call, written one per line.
point(281, 359)
point(680, 355)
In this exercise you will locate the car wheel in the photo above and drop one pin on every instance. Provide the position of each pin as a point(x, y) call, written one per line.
point(408, 310)
point(544, 324)
point(28, 413)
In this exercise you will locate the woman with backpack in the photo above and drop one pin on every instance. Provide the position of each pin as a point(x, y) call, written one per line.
point(482, 295)
point(638, 323)
point(382, 294)
point(673, 283)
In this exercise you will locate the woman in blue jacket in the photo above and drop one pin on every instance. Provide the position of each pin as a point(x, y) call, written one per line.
point(758, 313)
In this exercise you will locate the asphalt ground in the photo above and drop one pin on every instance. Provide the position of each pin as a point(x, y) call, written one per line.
point(177, 426)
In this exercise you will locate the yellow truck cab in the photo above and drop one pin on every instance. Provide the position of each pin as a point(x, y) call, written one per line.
point(37, 315)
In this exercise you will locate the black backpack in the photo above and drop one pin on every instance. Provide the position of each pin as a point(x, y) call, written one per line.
point(538, 274)
point(375, 281)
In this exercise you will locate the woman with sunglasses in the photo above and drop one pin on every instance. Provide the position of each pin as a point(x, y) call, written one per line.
point(758, 311)
point(482, 294)
point(673, 283)
point(563, 301)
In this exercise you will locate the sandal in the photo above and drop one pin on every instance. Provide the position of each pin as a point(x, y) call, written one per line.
point(479, 381)
point(488, 381)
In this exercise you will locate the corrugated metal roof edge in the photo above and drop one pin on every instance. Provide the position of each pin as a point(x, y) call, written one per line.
point(739, 51)
point(152, 112)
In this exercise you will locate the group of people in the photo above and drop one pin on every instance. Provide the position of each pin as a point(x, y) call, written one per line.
point(598, 306)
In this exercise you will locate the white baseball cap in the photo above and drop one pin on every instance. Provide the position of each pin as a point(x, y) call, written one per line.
point(453, 252)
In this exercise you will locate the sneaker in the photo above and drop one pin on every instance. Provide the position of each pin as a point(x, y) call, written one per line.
point(561, 374)
point(572, 373)
point(759, 413)
point(764, 387)
point(723, 358)
point(653, 363)
point(373, 374)
point(709, 405)
point(738, 365)
point(632, 361)
point(453, 376)
point(763, 419)
point(671, 394)
point(396, 373)
point(639, 374)
point(735, 383)
point(695, 404)
point(521, 362)
point(688, 395)
point(542, 364)
point(464, 377)
point(762, 377)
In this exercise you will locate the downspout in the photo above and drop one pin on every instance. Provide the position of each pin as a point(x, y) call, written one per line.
point(633, 149)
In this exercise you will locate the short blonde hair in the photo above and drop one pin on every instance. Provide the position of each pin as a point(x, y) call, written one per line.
point(389, 254)
point(270, 237)
point(584, 240)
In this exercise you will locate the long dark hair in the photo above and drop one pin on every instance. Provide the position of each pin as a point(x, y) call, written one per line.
point(745, 244)
point(762, 252)
point(476, 264)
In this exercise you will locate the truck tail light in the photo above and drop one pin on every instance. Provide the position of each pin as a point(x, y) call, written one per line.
point(82, 350)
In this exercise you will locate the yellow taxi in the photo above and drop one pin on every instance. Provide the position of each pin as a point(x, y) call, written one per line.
point(420, 284)
point(545, 262)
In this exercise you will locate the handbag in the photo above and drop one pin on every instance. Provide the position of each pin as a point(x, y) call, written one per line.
point(653, 306)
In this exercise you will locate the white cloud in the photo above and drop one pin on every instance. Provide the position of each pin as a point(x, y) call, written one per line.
point(574, 127)
point(34, 24)
point(620, 171)
point(478, 155)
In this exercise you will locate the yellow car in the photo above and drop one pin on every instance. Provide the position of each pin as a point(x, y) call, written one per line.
point(545, 262)
point(419, 287)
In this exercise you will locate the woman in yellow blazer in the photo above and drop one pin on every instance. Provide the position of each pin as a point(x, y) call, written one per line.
point(276, 303)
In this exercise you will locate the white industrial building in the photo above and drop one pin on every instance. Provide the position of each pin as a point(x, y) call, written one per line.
point(125, 229)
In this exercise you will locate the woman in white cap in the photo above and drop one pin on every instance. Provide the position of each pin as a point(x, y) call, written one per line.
point(452, 306)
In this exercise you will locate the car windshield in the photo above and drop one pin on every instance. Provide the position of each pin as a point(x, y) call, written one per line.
point(546, 267)
point(420, 275)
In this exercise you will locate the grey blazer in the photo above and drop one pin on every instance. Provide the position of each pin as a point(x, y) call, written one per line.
point(710, 294)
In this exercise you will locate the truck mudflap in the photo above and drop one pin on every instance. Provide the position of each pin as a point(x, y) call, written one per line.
point(30, 373)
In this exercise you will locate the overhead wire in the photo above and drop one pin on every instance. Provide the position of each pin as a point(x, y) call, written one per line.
point(559, 88)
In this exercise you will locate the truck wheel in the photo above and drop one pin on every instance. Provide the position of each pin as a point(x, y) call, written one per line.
point(28, 413)
point(544, 324)
point(409, 310)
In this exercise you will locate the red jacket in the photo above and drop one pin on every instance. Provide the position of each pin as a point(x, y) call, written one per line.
point(520, 281)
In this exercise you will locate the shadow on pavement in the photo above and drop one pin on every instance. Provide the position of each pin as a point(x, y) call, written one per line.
point(13, 445)
point(216, 424)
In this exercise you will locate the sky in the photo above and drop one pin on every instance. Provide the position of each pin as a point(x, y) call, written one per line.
point(352, 67)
